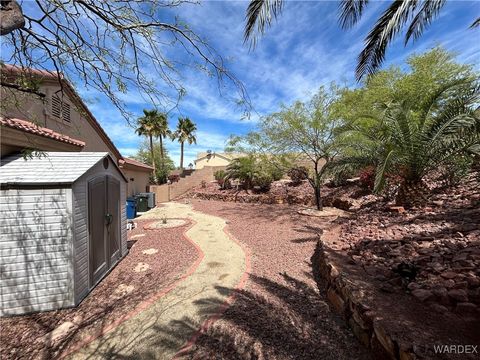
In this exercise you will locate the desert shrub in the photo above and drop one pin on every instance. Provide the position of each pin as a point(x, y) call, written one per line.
point(242, 169)
point(367, 177)
point(173, 178)
point(340, 177)
point(268, 169)
point(219, 175)
point(263, 181)
point(298, 174)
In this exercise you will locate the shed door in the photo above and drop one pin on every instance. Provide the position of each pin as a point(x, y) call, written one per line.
point(96, 219)
point(113, 227)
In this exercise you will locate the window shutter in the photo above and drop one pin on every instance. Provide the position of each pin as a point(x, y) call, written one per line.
point(60, 109)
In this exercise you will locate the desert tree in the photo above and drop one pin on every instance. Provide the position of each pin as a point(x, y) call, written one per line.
point(304, 132)
point(113, 47)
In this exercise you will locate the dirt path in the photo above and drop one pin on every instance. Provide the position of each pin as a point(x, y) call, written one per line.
point(280, 314)
point(162, 329)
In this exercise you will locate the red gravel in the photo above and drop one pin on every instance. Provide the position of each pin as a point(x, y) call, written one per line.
point(22, 337)
point(280, 314)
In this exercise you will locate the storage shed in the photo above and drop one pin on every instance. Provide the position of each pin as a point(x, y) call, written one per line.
point(62, 228)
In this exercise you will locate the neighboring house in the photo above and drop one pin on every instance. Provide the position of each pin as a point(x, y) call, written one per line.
point(212, 159)
point(137, 174)
point(53, 117)
point(63, 226)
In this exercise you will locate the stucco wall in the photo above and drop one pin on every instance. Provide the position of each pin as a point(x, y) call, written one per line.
point(33, 108)
point(140, 182)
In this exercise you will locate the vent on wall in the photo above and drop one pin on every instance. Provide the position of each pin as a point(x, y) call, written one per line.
point(60, 109)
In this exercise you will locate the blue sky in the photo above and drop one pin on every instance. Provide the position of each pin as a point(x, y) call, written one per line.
point(303, 50)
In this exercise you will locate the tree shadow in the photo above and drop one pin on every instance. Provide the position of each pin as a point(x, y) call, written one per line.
point(287, 320)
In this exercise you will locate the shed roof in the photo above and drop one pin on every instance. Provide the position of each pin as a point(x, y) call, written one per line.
point(49, 168)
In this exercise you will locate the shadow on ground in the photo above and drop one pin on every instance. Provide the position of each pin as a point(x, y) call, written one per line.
point(287, 320)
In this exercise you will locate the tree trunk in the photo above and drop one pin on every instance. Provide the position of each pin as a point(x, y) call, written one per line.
point(11, 17)
point(181, 155)
point(412, 194)
point(318, 198)
point(161, 149)
point(153, 160)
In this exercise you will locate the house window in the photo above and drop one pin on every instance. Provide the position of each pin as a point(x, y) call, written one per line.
point(60, 109)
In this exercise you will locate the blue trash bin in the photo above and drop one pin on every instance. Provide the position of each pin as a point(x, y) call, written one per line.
point(131, 208)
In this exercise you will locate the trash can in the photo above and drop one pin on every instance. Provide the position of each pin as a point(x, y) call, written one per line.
point(142, 203)
point(131, 208)
point(151, 199)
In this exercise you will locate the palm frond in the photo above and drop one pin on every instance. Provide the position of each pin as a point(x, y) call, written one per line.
point(381, 170)
point(350, 12)
point(386, 28)
point(475, 24)
point(260, 14)
point(428, 12)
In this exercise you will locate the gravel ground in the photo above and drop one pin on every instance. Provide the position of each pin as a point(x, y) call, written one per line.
point(280, 314)
point(155, 261)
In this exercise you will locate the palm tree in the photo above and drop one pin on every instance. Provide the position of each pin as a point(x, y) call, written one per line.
point(260, 14)
point(161, 129)
point(243, 169)
point(147, 127)
point(412, 144)
point(185, 132)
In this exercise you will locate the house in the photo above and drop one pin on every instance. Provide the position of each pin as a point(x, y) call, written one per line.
point(62, 226)
point(138, 175)
point(212, 159)
point(52, 117)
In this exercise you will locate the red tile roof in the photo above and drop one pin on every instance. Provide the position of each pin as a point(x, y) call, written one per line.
point(133, 162)
point(16, 70)
point(31, 128)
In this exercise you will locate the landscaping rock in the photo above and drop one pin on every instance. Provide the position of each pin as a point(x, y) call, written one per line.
point(422, 295)
point(458, 295)
point(59, 332)
point(140, 267)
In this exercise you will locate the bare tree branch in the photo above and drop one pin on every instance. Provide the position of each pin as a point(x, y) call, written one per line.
point(117, 48)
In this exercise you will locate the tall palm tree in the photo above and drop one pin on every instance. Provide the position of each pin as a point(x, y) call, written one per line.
point(146, 126)
point(260, 14)
point(411, 144)
point(161, 129)
point(185, 132)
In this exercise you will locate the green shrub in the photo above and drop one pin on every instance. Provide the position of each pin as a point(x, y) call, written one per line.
point(242, 169)
point(263, 181)
point(219, 175)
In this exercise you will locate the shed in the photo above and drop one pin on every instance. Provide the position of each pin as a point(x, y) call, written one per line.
point(62, 228)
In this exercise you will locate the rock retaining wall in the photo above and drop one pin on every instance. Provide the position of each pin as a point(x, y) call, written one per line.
point(330, 201)
point(347, 299)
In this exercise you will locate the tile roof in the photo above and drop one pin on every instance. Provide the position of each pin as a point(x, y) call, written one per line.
point(129, 161)
point(31, 128)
